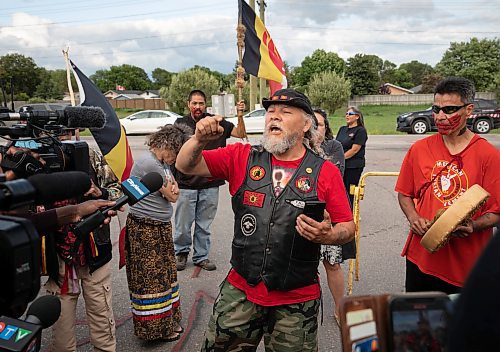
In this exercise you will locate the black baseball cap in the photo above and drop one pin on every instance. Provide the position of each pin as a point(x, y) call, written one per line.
point(289, 97)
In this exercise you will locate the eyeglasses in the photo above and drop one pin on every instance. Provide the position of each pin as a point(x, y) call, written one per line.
point(450, 109)
point(351, 113)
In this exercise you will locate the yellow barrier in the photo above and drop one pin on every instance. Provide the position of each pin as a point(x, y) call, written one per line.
point(359, 192)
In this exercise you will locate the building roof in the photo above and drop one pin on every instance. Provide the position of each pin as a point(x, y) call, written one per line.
point(398, 87)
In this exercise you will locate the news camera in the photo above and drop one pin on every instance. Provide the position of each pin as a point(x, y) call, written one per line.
point(39, 133)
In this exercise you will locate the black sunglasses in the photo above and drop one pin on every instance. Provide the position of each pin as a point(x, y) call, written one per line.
point(450, 109)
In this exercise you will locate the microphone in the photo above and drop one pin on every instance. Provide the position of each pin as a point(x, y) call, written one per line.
point(71, 117)
point(43, 188)
point(134, 191)
point(25, 335)
point(83, 117)
point(44, 311)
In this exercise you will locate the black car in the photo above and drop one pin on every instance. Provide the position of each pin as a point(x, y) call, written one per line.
point(484, 118)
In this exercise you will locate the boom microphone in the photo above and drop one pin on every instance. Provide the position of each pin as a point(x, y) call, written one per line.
point(83, 117)
point(71, 116)
point(43, 188)
point(134, 191)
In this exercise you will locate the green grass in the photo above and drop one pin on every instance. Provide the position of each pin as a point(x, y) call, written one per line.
point(379, 119)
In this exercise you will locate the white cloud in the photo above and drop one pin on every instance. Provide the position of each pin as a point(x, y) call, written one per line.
point(201, 34)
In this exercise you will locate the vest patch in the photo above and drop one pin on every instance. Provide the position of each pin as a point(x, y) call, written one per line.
point(300, 204)
point(257, 173)
point(304, 184)
point(254, 199)
point(248, 224)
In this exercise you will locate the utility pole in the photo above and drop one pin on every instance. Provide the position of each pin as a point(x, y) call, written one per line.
point(253, 79)
point(262, 8)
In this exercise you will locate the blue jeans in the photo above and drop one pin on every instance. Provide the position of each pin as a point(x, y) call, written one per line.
point(198, 206)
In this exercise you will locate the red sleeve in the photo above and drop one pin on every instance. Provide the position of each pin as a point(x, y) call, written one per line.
point(405, 183)
point(228, 163)
point(331, 190)
point(491, 178)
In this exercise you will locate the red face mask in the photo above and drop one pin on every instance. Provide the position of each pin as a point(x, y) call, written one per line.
point(449, 125)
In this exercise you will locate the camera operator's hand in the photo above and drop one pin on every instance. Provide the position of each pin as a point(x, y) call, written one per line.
point(9, 174)
point(74, 213)
point(94, 191)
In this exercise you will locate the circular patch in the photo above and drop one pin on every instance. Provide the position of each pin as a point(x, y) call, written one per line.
point(248, 224)
point(257, 173)
point(309, 170)
point(304, 184)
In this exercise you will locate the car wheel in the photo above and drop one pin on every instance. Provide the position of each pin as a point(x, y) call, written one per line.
point(482, 126)
point(2, 123)
point(419, 127)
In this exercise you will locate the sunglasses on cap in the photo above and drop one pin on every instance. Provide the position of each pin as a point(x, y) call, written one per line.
point(450, 109)
point(351, 113)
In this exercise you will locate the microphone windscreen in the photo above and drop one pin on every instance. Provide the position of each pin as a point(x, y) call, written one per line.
point(84, 117)
point(59, 185)
point(47, 309)
point(153, 181)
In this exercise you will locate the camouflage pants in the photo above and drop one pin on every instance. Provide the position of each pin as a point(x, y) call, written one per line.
point(238, 324)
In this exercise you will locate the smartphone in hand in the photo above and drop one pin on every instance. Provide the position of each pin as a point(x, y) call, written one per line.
point(314, 209)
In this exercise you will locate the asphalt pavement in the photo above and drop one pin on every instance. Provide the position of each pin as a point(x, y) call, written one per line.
point(383, 230)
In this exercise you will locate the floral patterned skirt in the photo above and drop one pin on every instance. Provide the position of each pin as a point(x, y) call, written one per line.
point(331, 253)
point(152, 277)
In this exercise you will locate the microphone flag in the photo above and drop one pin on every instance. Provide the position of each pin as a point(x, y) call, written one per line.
point(111, 139)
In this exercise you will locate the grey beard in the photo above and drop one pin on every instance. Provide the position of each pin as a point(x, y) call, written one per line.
point(281, 147)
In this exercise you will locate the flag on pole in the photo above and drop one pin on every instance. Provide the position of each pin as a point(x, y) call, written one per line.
point(111, 139)
point(261, 58)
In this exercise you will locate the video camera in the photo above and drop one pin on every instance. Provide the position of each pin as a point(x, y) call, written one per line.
point(39, 131)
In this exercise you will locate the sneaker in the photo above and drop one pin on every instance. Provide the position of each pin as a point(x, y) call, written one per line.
point(181, 261)
point(206, 265)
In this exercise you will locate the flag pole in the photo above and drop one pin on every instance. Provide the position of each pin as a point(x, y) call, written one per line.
point(70, 86)
point(240, 75)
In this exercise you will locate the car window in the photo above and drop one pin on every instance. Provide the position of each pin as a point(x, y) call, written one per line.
point(141, 115)
point(157, 114)
point(257, 113)
point(56, 107)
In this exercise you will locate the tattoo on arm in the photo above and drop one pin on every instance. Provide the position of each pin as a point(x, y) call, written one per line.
point(195, 156)
point(341, 233)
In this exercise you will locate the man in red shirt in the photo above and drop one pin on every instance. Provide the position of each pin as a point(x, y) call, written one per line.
point(436, 171)
point(273, 287)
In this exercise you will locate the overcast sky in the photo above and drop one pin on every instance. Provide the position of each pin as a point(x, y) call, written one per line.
point(176, 35)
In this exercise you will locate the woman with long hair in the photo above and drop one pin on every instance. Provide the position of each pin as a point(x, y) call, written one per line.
point(151, 264)
point(353, 137)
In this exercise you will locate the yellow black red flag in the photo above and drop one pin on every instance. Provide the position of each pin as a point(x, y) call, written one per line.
point(261, 58)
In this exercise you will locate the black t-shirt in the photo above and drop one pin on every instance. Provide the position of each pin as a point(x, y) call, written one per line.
point(348, 137)
point(198, 182)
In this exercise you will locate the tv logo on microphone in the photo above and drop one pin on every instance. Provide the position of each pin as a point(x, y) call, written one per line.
point(135, 188)
point(8, 331)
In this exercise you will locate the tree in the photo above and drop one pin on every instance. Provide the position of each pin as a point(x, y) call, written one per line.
point(129, 76)
point(319, 61)
point(363, 73)
point(48, 88)
point(417, 71)
point(225, 80)
point(329, 90)
point(477, 60)
point(429, 82)
point(184, 82)
point(161, 78)
point(23, 71)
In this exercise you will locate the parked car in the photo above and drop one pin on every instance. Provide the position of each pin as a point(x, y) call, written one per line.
point(148, 121)
point(484, 118)
point(255, 121)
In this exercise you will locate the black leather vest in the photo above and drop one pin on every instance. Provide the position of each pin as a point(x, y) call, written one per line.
point(266, 245)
